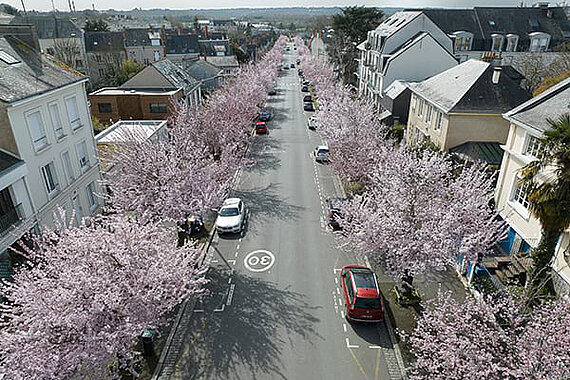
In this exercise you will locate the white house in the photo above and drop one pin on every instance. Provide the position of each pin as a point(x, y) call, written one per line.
point(45, 126)
point(407, 46)
point(527, 124)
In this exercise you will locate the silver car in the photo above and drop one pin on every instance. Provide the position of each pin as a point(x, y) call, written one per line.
point(231, 216)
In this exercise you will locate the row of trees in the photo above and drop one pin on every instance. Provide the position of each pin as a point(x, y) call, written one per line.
point(86, 292)
point(414, 212)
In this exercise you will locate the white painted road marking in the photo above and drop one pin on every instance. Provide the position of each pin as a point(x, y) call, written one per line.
point(230, 295)
point(259, 261)
point(348, 345)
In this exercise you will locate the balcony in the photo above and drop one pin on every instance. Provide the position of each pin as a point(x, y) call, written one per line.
point(10, 219)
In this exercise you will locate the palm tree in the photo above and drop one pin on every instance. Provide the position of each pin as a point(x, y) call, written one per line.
point(548, 183)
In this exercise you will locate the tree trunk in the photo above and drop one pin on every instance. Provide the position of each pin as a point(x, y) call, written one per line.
point(542, 257)
point(407, 285)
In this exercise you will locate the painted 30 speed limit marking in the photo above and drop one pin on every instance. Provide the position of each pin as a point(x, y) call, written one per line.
point(259, 261)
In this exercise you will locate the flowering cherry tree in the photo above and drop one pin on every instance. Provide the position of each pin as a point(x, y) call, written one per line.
point(88, 293)
point(419, 214)
point(491, 339)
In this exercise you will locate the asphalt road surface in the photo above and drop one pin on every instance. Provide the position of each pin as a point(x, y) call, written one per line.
point(275, 309)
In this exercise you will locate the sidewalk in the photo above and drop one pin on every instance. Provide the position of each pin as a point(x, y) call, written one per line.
point(404, 318)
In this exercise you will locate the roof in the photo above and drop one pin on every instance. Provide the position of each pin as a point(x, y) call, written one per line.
point(395, 22)
point(8, 162)
point(182, 44)
point(34, 73)
point(202, 70)
point(396, 88)
point(549, 104)
point(224, 61)
point(104, 41)
point(113, 91)
point(48, 27)
point(489, 152)
point(468, 87)
point(175, 74)
point(140, 37)
point(123, 131)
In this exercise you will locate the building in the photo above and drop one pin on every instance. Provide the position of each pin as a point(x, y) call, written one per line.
point(215, 44)
point(527, 124)
point(182, 45)
point(229, 64)
point(464, 105)
point(47, 149)
point(61, 38)
point(111, 104)
point(166, 75)
point(105, 52)
point(210, 77)
point(144, 46)
point(407, 46)
point(504, 30)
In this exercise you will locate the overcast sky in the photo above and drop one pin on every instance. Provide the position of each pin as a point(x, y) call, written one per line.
point(187, 4)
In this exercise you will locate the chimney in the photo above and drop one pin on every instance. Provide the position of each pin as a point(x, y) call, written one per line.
point(496, 75)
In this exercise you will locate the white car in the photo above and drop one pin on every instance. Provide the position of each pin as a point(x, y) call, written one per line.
point(312, 122)
point(231, 217)
point(322, 153)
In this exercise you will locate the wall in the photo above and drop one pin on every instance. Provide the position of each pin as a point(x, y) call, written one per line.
point(132, 106)
point(474, 127)
point(7, 140)
point(95, 100)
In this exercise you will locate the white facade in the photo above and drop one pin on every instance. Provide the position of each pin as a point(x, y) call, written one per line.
point(54, 137)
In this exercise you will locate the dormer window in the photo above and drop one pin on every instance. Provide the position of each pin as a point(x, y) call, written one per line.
point(463, 40)
point(512, 42)
point(497, 43)
point(539, 42)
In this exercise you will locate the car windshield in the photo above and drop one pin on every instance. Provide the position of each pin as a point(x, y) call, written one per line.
point(229, 211)
point(368, 303)
point(364, 279)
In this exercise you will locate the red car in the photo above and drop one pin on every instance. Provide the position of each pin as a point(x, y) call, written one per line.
point(260, 128)
point(362, 296)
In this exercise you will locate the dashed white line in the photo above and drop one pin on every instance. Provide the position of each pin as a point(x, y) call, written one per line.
point(229, 280)
point(342, 313)
point(375, 347)
point(237, 247)
point(344, 327)
point(336, 280)
point(338, 291)
point(236, 255)
point(230, 295)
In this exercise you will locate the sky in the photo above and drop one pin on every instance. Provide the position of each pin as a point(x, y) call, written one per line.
point(46, 5)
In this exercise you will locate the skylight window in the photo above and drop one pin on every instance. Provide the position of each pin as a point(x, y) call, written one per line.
point(7, 58)
point(492, 22)
point(533, 22)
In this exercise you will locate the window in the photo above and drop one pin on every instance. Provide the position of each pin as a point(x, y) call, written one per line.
point(520, 194)
point(421, 108)
point(78, 63)
point(158, 108)
point(101, 72)
point(414, 104)
point(512, 42)
point(50, 51)
point(37, 131)
point(56, 120)
point(534, 147)
point(146, 62)
point(539, 42)
point(438, 122)
point(105, 107)
point(497, 42)
point(90, 188)
point(98, 58)
point(50, 178)
point(67, 166)
point(463, 40)
point(73, 112)
point(428, 114)
point(83, 157)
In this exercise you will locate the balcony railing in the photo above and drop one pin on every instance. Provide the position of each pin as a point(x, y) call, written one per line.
point(11, 218)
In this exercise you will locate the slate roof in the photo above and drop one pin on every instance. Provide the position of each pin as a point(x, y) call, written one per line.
point(202, 70)
point(484, 21)
point(468, 88)
point(8, 162)
point(104, 41)
point(396, 88)
point(489, 152)
point(140, 37)
point(551, 103)
point(34, 74)
point(223, 61)
point(395, 22)
point(182, 44)
point(175, 75)
point(48, 27)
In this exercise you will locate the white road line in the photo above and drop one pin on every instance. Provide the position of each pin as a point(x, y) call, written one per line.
point(237, 247)
point(233, 262)
point(338, 291)
point(336, 280)
point(339, 302)
point(342, 314)
point(336, 270)
point(222, 308)
point(198, 311)
point(374, 347)
point(229, 280)
point(236, 255)
point(366, 261)
point(240, 239)
point(214, 261)
point(231, 295)
point(344, 327)
point(348, 345)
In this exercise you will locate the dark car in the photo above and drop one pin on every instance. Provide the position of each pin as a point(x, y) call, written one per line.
point(309, 107)
point(307, 98)
point(272, 92)
point(334, 213)
point(306, 83)
point(305, 89)
point(362, 296)
point(285, 67)
point(300, 72)
point(260, 128)
point(264, 115)
point(292, 65)
point(298, 62)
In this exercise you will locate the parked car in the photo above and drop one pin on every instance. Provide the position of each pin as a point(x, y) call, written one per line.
point(272, 92)
point(322, 153)
point(307, 98)
point(300, 72)
point(292, 65)
point(260, 128)
point(362, 297)
point(298, 61)
point(306, 83)
point(264, 115)
point(285, 67)
point(333, 211)
point(231, 216)
point(305, 89)
point(312, 123)
point(309, 107)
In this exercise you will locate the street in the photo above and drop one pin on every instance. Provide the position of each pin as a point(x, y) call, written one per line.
point(275, 305)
